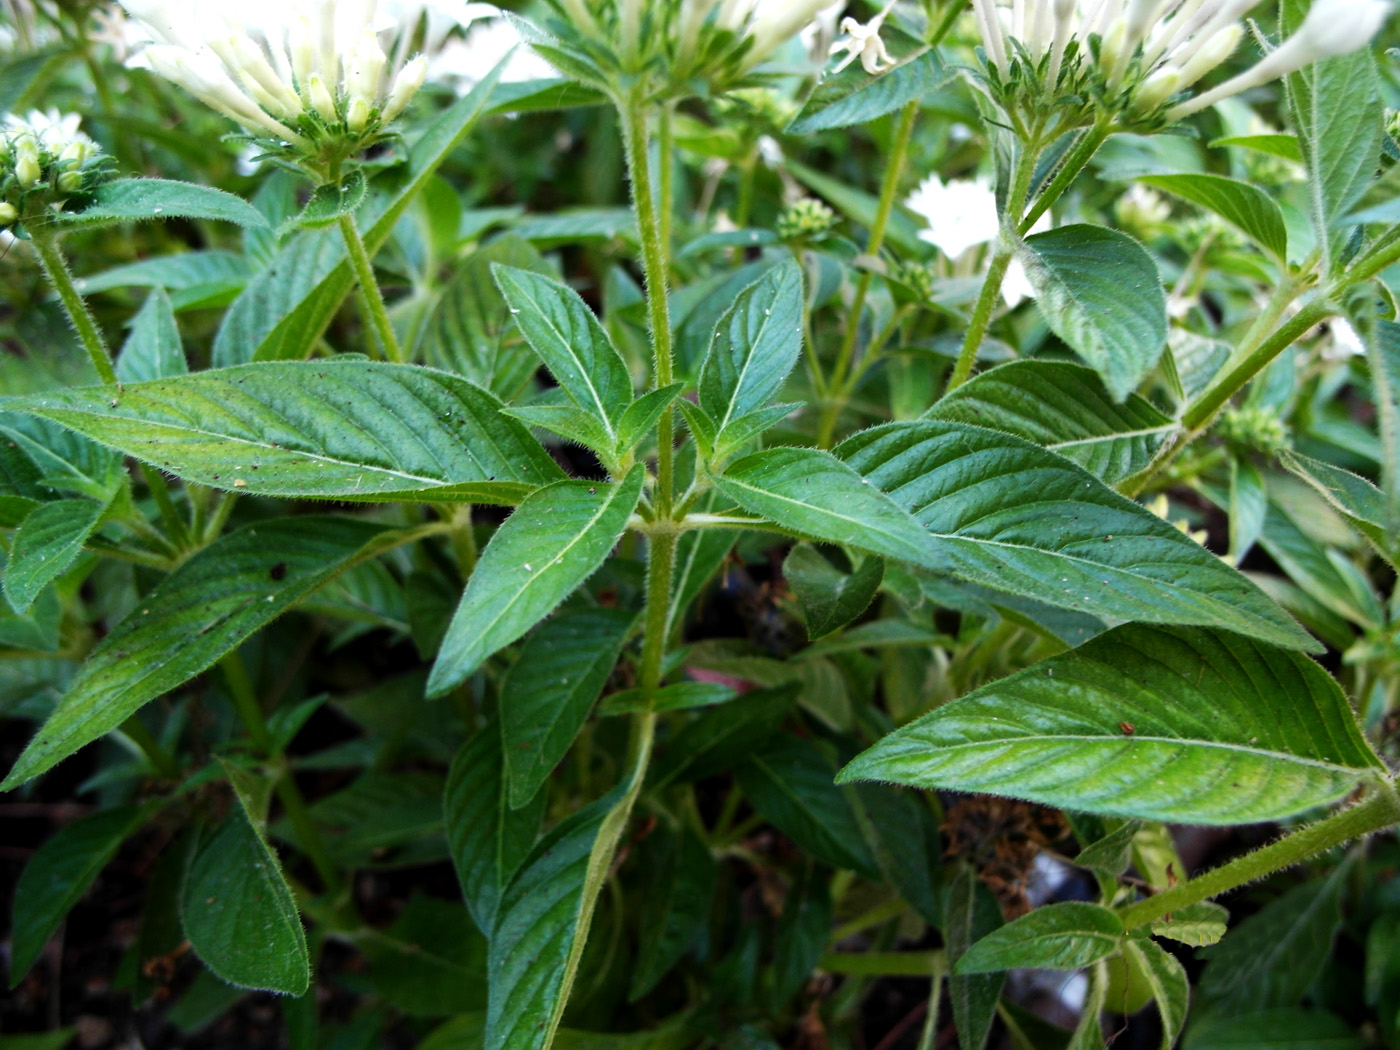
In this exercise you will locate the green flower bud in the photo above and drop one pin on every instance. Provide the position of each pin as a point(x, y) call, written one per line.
point(8, 213)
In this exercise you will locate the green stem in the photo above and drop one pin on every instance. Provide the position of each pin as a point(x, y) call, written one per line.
point(1375, 813)
point(374, 298)
point(1075, 161)
point(160, 492)
point(51, 259)
point(1021, 176)
point(661, 561)
point(654, 254)
point(889, 188)
point(162, 761)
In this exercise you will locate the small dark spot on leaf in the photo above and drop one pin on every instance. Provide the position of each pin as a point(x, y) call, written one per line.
point(278, 571)
point(1127, 728)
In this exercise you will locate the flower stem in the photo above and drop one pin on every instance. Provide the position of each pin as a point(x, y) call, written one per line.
point(56, 269)
point(894, 171)
point(1375, 813)
point(1079, 155)
point(374, 298)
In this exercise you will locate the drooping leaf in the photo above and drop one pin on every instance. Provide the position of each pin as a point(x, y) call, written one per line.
point(1100, 292)
point(153, 349)
point(47, 542)
point(1197, 924)
point(1017, 518)
point(1063, 407)
point(830, 597)
point(682, 696)
point(57, 876)
point(815, 494)
point(719, 740)
point(1243, 205)
point(488, 838)
point(854, 97)
point(554, 541)
point(551, 687)
point(1065, 936)
point(239, 914)
point(1168, 981)
point(140, 200)
point(1161, 723)
point(201, 611)
point(348, 430)
point(1359, 501)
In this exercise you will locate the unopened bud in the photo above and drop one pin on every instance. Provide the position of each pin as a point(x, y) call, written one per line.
point(357, 116)
point(320, 99)
point(406, 85)
point(70, 182)
point(1157, 88)
point(75, 154)
point(27, 170)
point(364, 70)
point(1213, 52)
point(8, 213)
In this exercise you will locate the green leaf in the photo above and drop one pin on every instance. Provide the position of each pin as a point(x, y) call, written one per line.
point(1063, 407)
point(641, 415)
point(137, 200)
point(332, 200)
point(1148, 722)
point(832, 595)
point(680, 874)
point(790, 783)
point(1290, 1028)
point(570, 423)
point(535, 938)
point(39, 628)
point(551, 687)
point(972, 914)
point(855, 97)
point(488, 838)
point(744, 429)
point(1243, 205)
point(815, 494)
point(804, 927)
point(1276, 145)
point(1168, 981)
point(719, 740)
point(239, 914)
point(204, 609)
point(561, 328)
point(1198, 925)
point(153, 349)
point(1100, 292)
point(682, 696)
point(985, 499)
point(754, 347)
point(1065, 936)
point(554, 541)
point(57, 876)
point(431, 961)
point(1249, 502)
point(1339, 116)
point(1359, 501)
point(348, 430)
point(47, 542)
point(177, 271)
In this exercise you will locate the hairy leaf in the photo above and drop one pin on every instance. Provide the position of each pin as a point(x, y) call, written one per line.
point(1243, 205)
point(137, 200)
point(47, 542)
point(1065, 936)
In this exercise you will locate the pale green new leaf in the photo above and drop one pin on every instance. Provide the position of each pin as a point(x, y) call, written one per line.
point(1198, 925)
point(1065, 936)
point(554, 541)
point(207, 607)
point(346, 430)
point(813, 493)
point(46, 543)
point(1168, 981)
point(1161, 723)
point(239, 914)
point(1100, 292)
point(1063, 407)
point(1243, 205)
point(551, 687)
point(1015, 517)
point(1359, 501)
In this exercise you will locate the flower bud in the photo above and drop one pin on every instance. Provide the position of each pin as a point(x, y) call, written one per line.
point(357, 115)
point(406, 85)
point(27, 169)
point(8, 213)
point(364, 70)
point(70, 182)
point(1157, 88)
point(320, 99)
point(1210, 54)
point(75, 154)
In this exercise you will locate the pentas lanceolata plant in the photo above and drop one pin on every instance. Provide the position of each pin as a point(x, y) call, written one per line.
point(800, 576)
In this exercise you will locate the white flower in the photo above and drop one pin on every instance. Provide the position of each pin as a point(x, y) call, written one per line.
point(51, 131)
point(770, 23)
point(270, 66)
point(863, 42)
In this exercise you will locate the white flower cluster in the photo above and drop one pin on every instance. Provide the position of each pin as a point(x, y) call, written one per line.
point(304, 72)
point(43, 152)
point(1159, 48)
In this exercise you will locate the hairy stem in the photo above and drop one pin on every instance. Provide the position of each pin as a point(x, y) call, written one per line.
point(56, 269)
point(1380, 810)
point(1075, 161)
point(374, 298)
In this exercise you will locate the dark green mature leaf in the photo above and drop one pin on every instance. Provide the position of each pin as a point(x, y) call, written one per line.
point(431, 961)
point(754, 347)
point(804, 928)
point(813, 493)
point(153, 349)
point(1162, 723)
point(201, 611)
point(571, 342)
point(680, 885)
point(1100, 292)
point(1065, 936)
point(239, 914)
point(1063, 407)
point(535, 941)
point(1012, 516)
point(347, 430)
point(57, 876)
point(175, 272)
point(790, 783)
point(551, 687)
point(332, 200)
point(554, 541)
point(1168, 981)
point(830, 597)
point(972, 913)
point(1339, 116)
point(1289, 1028)
point(854, 97)
point(904, 840)
point(682, 696)
point(138, 200)
point(47, 542)
point(1243, 205)
point(717, 741)
point(1359, 501)
point(489, 839)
